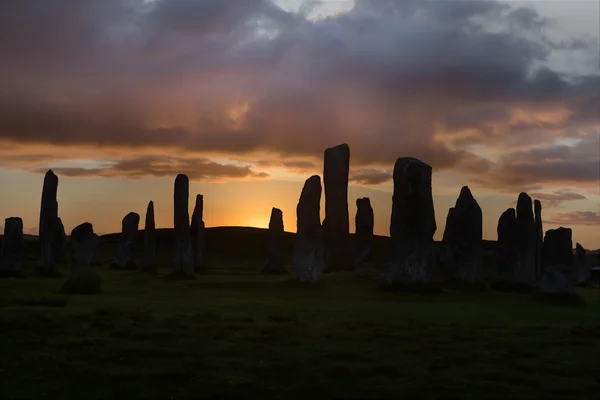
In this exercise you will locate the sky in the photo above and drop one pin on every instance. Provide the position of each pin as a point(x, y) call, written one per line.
point(244, 96)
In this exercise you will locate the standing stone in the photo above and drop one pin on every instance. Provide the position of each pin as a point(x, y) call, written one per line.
point(198, 234)
point(336, 226)
point(526, 241)
point(60, 242)
point(125, 258)
point(82, 244)
point(412, 224)
point(11, 253)
point(149, 258)
point(275, 263)
point(184, 259)
point(463, 239)
point(507, 245)
point(48, 225)
point(557, 259)
point(583, 272)
point(539, 238)
point(308, 259)
point(364, 222)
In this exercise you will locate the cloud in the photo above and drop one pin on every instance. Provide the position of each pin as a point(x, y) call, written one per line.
point(556, 198)
point(195, 169)
point(370, 176)
point(590, 218)
point(240, 77)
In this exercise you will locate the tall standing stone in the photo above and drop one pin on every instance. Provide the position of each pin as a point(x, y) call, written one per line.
point(149, 257)
point(557, 259)
point(364, 222)
point(275, 263)
point(463, 239)
point(412, 224)
point(526, 234)
point(184, 259)
point(11, 252)
point(336, 226)
point(507, 245)
point(583, 272)
point(539, 238)
point(125, 258)
point(48, 224)
point(308, 258)
point(198, 234)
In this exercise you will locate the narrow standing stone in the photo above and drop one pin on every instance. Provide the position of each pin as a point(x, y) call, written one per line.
point(364, 222)
point(539, 238)
point(463, 239)
point(48, 225)
point(60, 242)
point(336, 226)
point(184, 259)
point(198, 234)
point(412, 224)
point(557, 259)
point(149, 258)
point(275, 263)
point(507, 245)
point(308, 258)
point(11, 252)
point(583, 272)
point(526, 233)
point(125, 258)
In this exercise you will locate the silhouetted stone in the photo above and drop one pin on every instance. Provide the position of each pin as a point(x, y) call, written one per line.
point(364, 240)
point(149, 256)
point(507, 245)
point(336, 226)
point(60, 242)
point(125, 258)
point(583, 272)
point(557, 261)
point(11, 252)
point(526, 241)
point(82, 244)
point(463, 239)
point(184, 259)
point(412, 225)
point(275, 263)
point(198, 234)
point(48, 225)
point(539, 238)
point(308, 258)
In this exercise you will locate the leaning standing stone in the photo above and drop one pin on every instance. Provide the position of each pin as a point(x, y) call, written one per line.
point(184, 259)
point(308, 259)
point(275, 263)
point(11, 252)
point(364, 222)
point(48, 225)
point(125, 258)
point(557, 258)
point(197, 233)
point(149, 257)
point(336, 226)
point(412, 224)
point(82, 243)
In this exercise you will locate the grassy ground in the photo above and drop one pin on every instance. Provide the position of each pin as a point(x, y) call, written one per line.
point(243, 335)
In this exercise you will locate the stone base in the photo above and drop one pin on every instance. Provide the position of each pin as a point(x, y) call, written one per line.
point(48, 274)
point(181, 276)
point(131, 265)
point(504, 285)
point(85, 284)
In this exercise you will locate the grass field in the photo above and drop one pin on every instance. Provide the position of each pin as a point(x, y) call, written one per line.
point(234, 333)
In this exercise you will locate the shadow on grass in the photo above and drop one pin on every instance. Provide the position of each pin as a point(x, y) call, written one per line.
point(35, 302)
point(86, 284)
point(559, 299)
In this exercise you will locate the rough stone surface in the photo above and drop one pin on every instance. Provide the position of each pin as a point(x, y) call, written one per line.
point(82, 243)
point(412, 224)
point(557, 260)
point(583, 272)
point(11, 252)
point(539, 238)
point(125, 258)
point(149, 256)
point(364, 239)
point(48, 224)
point(463, 239)
point(526, 241)
point(275, 263)
point(198, 234)
point(308, 259)
point(507, 245)
point(336, 226)
point(184, 259)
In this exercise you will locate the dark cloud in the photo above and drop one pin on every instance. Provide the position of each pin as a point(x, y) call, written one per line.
point(195, 169)
point(370, 176)
point(574, 218)
point(236, 77)
point(556, 198)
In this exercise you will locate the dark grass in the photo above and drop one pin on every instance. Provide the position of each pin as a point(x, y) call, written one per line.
point(85, 284)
